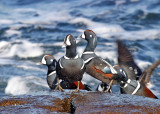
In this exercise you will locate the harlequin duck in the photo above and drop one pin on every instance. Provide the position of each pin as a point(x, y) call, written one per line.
point(51, 62)
point(133, 86)
point(95, 65)
point(138, 87)
point(70, 67)
point(126, 61)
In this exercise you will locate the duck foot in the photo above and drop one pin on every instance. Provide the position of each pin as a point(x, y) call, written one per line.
point(76, 90)
point(59, 86)
point(109, 87)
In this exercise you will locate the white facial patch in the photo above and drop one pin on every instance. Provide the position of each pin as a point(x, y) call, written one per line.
point(90, 35)
point(83, 36)
point(68, 43)
point(43, 60)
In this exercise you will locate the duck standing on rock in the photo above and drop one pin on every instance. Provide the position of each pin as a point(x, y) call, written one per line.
point(136, 83)
point(51, 63)
point(95, 65)
point(70, 67)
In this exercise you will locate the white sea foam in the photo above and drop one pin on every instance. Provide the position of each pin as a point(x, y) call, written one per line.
point(111, 55)
point(2, 21)
point(31, 67)
point(142, 64)
point(59, 55)
point(24, 85)
point(112, 30)
point(80, 50)
point(16, 86)
point(4, 61)
point(48, 18)
point(4, 44)
point(101, 29)
point(11, 32)
point(89, 80)
point(23, 49)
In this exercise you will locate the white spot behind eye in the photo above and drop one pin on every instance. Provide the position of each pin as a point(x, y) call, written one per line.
point(51, 60)
point(90, 35)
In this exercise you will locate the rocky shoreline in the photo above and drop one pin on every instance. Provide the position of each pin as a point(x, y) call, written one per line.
point(83, 102)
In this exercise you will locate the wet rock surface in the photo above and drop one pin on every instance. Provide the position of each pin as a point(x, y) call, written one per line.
point(82, 102)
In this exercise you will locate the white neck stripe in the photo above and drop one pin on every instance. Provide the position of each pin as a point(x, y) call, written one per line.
point(66, 57)
point(82, 65)
point(86, 61)
point(52, 73)
point(76, 57)
point(60, 63)
point(137, 88)
point(88, 52)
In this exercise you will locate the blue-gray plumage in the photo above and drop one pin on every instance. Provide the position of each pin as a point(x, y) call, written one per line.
point(136, 83)
point(70, 67)
point(51, 63)
point(126, 61)
point(95, 65)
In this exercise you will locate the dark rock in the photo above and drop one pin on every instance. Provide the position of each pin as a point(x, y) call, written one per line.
point(82, 102)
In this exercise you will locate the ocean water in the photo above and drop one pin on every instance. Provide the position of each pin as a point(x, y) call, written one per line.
point(30, 29)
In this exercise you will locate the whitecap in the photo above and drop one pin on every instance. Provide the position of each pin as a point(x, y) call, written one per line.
point(22, 49)
point(16, 86)
point(25, 85)
point(101, 29)
point(142, 64)
point(11, 32)
point(2, 21)
point(59, 55)
point(114, 30)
